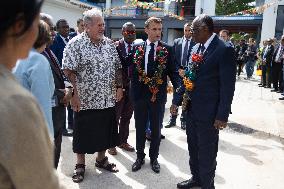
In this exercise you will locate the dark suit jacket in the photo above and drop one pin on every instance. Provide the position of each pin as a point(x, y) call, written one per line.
point(275, 53)
point(141, 91)
point(269, 55)
point(58, 47)
point(58, 75)
point(214, 88)
point(177, 50)
point(120, 47)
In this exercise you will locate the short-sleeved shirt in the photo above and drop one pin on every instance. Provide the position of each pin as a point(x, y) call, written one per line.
point(96, 67)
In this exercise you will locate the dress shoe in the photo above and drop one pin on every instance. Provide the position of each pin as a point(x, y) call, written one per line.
point(170, 124)
point(127, 147)
point(267, 87)
point(274, 90)
point(155, 166)
point(183, 125)
point(282, 98)
point(66, 133)
point(137, 164)
point(163, 136)
point(279, 92)
point(259, 84)
point(187, 184)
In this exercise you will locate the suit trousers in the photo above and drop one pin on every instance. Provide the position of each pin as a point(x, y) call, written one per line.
point(277, 76)
point(58, 117)
point(142, 109)
point(124, 111)
point(202, 139)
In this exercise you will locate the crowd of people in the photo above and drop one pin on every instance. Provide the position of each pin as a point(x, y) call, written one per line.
point(102, 83)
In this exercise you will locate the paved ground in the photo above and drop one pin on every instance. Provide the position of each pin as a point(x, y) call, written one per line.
point(251, 151)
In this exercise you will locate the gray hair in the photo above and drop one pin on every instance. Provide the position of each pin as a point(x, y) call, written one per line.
point(128, 24)
point(94, 12)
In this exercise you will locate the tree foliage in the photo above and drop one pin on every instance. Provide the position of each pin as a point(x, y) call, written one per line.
point(225, 7)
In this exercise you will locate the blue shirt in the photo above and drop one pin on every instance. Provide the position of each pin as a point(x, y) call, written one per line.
point(34, 73)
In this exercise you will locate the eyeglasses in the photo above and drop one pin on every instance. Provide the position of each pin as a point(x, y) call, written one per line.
point(129, 32)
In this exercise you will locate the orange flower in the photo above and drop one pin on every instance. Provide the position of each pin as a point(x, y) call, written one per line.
point(159, 81)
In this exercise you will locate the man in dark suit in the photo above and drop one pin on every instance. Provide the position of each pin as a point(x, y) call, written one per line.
point(60, 41)
point(210, 102)
point(124, 108)
point(152, 63)
point(62, 93)
point(182, 50)
point(277, 64)
point(267, 61)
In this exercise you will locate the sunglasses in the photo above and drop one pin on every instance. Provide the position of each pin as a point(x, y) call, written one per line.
point(129, 32)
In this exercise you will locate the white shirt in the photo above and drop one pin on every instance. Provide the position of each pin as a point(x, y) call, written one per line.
point(208, 42)
point(148, 47)
point(278, 53)
point(183, 45)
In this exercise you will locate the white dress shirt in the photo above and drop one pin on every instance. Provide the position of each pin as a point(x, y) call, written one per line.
point(148, 47)
point(183, 45)
point(208, 42)
point(64, 39)
point(126, 46)
point(277, 58)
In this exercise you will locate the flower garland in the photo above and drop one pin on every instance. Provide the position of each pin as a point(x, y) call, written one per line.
point(190, 73)
point(156, 80)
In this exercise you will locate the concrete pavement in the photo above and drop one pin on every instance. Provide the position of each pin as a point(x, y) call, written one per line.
point(251, 151)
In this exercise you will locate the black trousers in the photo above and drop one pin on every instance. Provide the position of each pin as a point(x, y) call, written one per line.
point(277, 76)
point(202, 139)
point(58, 117)
point(143, 108)
point(124, 111)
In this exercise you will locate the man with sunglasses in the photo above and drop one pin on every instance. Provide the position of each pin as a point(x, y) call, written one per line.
point(210, 102)
point(124, 108)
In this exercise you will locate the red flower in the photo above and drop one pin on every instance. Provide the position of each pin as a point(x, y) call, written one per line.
point(197, 58)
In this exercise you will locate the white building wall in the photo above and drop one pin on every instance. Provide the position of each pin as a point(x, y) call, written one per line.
point(269, 20)
point(208, 7)
point(60, 9)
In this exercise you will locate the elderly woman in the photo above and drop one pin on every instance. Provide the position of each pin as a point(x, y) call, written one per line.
point(26, 159)
point(34, 73)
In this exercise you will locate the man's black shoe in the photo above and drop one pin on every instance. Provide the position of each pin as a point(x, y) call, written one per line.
point(163, 136)
point(170, 124)
point(282, 98)
point(274, 90)
point(279, 91)
point(138, 164)
point(155, 166)
point(187, 184)
point(183, 125)
point(267, 87)
point(259, 84)
point(66, 133)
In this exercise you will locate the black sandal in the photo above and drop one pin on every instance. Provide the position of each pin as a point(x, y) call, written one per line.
point(111, 167)
point(79, 172)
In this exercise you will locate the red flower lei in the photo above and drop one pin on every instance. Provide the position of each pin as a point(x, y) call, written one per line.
point(156, 80)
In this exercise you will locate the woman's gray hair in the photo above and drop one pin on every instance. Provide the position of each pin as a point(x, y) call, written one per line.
point(89, 14)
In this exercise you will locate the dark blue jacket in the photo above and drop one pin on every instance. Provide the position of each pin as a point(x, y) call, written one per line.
point(139, 90)
point(58, 47)
point(215, 83)
point(177, 50)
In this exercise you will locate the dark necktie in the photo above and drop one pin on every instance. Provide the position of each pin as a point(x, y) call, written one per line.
point(54, 62)
point(128, 48)
point(280, 55)
point(150, 58)
point(202, 48)
point(185, 51)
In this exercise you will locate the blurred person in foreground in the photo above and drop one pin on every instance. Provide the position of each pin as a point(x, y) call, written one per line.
point(35, 75)
point(26, 159)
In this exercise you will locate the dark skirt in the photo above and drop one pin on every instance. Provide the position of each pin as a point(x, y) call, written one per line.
point(94, 131)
